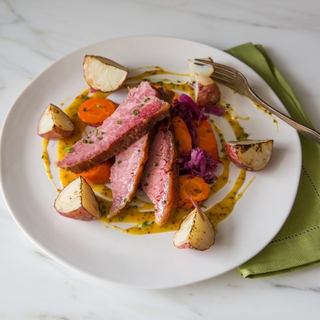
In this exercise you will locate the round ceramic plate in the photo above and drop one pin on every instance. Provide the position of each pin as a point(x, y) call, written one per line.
point(149, 261)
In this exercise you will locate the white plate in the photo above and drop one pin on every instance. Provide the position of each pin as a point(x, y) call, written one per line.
point(143, 261)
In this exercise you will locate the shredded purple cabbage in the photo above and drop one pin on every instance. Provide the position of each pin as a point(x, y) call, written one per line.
point(193, 133)
point(214, 109)
point(181, 109)
point(187, 109)
point(198, 162)
point(192, 105)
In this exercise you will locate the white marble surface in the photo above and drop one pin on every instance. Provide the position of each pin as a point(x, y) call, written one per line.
point(34, 34)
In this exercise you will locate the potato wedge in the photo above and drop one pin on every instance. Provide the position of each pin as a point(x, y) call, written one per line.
point(196, 67)
point(78, 201)
point(196, 232)
point(54, 124)
point(207, 91)
point(103, 74)
point(251, 155)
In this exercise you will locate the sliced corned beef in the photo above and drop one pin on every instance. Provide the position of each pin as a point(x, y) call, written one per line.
point(160, 179)
point(133, 118)
point(126, 174)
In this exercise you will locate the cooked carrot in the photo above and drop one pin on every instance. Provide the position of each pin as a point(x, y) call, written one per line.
point(207, 139)
point(195, 187)
point(94, 111)
point(97, 175)
point(182, 135)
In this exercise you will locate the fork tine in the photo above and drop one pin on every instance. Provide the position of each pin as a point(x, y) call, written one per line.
point(221, 72)
point(218, 65)
point(227, 82)
point(223, 76)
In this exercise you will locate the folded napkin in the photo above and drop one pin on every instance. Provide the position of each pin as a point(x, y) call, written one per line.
point(297, 245)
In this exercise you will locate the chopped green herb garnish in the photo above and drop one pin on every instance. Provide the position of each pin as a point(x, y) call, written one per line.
point(135, 112)
point(155, 164)
point(119, 122)
point(68, 149)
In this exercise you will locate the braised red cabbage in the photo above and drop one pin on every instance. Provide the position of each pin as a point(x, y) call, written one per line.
point(215, 110)
point(198, 162)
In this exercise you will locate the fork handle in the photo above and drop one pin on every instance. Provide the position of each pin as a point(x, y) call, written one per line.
point(306, 131)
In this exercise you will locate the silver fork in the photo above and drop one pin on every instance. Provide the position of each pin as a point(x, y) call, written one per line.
point(238, 82)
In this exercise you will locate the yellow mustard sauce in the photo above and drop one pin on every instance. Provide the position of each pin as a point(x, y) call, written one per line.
point(140, 214)
point(47, 162)
point(275, 121)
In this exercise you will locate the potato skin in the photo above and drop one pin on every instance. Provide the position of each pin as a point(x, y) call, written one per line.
point(55, 134)
point(103, 74)
point(207, 91)
point(250, 155)
point(54, 124)
point(196, 232)
point(78, 214)
point(78, 201)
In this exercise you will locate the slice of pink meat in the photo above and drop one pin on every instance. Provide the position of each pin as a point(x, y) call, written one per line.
point(126, 174)
point(160, 179)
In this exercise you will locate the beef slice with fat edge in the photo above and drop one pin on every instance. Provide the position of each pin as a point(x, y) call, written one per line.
point(133, 118)
point(160, 179)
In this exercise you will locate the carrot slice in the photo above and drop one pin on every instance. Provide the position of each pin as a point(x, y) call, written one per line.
point(182, 135)
point(94, 111)
point(207, 139)
point(99, 174)
point(195, 187)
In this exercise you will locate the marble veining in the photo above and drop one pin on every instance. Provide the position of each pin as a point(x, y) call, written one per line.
point(34, 34)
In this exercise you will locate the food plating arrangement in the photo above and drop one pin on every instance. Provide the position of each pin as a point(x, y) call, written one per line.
point(154, 161)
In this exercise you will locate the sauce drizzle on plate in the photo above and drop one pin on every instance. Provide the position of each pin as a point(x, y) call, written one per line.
point(138, 217)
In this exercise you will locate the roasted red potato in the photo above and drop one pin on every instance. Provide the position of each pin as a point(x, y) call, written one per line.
point(103, 74)
point(78, 201)
point(54, 124)
point(251, 155)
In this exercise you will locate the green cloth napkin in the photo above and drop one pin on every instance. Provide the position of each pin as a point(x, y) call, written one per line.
point(297, 245)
